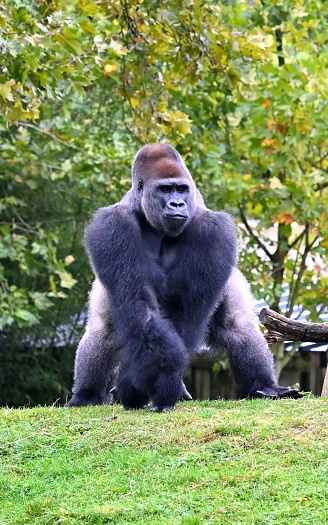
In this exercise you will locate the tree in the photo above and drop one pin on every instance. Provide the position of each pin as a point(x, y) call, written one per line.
point(73, 107)
point(239, 88)
point(272, 165)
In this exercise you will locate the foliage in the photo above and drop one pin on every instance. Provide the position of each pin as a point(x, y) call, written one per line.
point(275, 155)
point(239, 88)
point(220, 462)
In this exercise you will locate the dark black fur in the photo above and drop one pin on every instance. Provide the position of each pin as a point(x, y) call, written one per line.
point(166, 281)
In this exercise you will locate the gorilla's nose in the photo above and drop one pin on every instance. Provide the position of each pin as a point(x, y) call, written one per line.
point(177, 205)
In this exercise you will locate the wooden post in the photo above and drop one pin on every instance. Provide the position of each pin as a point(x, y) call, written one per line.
point(324, 392)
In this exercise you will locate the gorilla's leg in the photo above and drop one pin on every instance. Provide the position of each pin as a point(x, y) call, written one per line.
point(234, 326)
point(95, 371)
point(96, 362)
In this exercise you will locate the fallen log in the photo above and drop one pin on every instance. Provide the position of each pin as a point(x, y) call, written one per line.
point(283, 329)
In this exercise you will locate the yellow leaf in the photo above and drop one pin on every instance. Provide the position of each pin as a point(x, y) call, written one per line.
point(34, 39)
point(269, 142)
point(69, 259)
point(275, 183)
point(183, 126)
point(89, 8)
point(5, 90)
point(109, 68)
point(66, 279)
point(135, 102)
point(271, 125)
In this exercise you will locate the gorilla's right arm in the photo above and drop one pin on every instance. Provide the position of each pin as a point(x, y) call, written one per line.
point(133, 281)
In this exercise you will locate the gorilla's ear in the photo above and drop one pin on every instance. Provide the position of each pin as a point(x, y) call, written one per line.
point(140, 185)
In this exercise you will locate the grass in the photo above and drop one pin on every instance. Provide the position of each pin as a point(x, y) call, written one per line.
point(220, 462)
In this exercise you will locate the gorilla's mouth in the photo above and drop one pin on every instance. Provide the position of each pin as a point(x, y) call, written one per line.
point(178, 216)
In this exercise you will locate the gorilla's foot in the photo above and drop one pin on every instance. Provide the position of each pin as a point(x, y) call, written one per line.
point(116, 399)
point(289, 392)
point(163, 409)
point(79, 401)
point(277, 392)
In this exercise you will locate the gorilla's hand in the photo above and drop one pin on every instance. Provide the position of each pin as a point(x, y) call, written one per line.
point(163, 409)
point(113, 392)
point(185, 396)
point(276, 393)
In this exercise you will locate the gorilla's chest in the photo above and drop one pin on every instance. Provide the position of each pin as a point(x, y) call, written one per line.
point(188, 274)
point(162, 251)
point(183, 270)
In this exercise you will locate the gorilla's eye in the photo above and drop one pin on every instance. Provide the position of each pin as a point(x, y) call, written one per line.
point(165, 188)
point(182, 188)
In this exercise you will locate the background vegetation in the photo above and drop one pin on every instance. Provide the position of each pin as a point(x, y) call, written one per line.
point(239, 88)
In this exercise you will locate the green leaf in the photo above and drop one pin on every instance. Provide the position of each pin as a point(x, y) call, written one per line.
point(71, 43)
point(26, 315)
point(41, 301)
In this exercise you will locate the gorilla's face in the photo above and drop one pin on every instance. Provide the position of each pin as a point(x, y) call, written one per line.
point(167, 205)
point(164, 189)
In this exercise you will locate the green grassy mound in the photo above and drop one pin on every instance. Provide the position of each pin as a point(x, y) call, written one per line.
point(220, 462)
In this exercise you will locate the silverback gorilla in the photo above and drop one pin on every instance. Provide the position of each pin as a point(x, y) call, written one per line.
point(167, 281)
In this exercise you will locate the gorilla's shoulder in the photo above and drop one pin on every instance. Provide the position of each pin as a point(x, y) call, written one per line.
point(221, 217)
point(115, 219)
point(215, 222)
point(113, 212)
point(214, 232)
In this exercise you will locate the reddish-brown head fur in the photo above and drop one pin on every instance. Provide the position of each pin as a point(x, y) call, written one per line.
point(158, 161)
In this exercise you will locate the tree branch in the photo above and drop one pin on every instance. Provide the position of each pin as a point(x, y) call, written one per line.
point(299, 237)
point(252, 234)
point(52, 135)
point(283, 329)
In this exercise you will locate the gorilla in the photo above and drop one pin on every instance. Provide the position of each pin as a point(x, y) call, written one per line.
point(167, 282)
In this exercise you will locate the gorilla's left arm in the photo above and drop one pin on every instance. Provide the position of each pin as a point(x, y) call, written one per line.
point(234, 326)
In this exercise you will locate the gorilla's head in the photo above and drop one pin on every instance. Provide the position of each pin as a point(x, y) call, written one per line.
point(164, 189)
